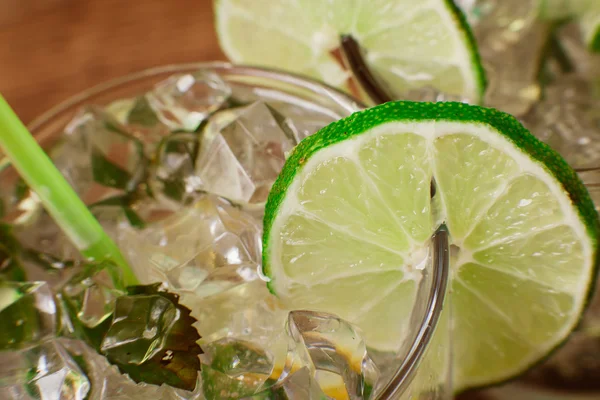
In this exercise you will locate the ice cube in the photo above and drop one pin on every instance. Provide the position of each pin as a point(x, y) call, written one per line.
point(211, 241)
point(27, 312)
point(49, 241)
point(183, 101)
point(120, 109)
point(245, 310)
point(44, 372)
point(91, 294)
point(335, 348)
point(107, 383)
point(234, 368)
point(511, 42)
point(173, 177)
point(304, 118)
point(568, 119)
point(139, 327)
point(141, 113)
point(99, 156)
point(116, 212)
point(143, 123)
point(241, 159)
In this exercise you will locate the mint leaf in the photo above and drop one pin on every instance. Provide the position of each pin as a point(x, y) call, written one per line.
point(124, 203)
point(172, 354)
point(142, 114)
point(108, 174)
point(11, 267)
point(149, 336)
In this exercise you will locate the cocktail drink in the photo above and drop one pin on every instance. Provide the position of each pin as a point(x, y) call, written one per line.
point(176, 164)
point(413, 250)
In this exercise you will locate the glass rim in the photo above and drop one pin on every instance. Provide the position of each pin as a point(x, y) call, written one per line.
point(400, 380)
point(348, 101)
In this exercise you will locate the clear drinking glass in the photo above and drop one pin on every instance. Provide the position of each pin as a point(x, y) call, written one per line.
point(422, 368)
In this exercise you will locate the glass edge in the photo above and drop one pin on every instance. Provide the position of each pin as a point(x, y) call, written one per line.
point(405, 373)
point(350, 103)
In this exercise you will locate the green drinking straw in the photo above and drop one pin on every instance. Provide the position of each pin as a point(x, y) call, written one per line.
point(57, 196)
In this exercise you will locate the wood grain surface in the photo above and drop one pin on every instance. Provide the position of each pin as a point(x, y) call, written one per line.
point(53, 49)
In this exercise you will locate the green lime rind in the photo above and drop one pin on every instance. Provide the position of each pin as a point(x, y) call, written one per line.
point(470, 65)
point(406, 111)
point(469, 38)
point(594, 44)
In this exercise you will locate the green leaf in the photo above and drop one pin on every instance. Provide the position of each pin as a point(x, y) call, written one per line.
point(21, 190)
point(173, 189)
point(92, 336)
point(108, 174)
point(8, 239)
point(124, 202)
point(21, 321)
point(11, 267)
point(46, 261)
point(176, 363)
point(173, 353)
point(134, 219)
point(142, 114)
point(111, 201)
point(185, 145)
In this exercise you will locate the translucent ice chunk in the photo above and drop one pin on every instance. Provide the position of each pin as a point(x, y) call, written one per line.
point(334, 346)
point(245, 310)
point(211, 241)
point(241, 159)
point(182, 102)
point(44, 372)
point(173, 177)
point(568, 119)
point(303, 118)
point(143, 124)
point(511, 42)
point(99, 156)
point(139, 327)
point(234, 368)
point(91, 295)
point(107, 383)
point(27, 312)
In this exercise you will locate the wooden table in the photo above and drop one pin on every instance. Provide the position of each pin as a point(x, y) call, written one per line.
point(53, 49)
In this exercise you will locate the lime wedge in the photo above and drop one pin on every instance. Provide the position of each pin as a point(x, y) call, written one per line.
point(409, 44)
point(348, 222)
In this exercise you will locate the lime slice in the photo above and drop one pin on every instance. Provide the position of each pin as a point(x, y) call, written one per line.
point(348, 222)
point(409, 44)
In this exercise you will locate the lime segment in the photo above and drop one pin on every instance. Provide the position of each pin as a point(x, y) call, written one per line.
point(348, 223)
point(409, 44)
